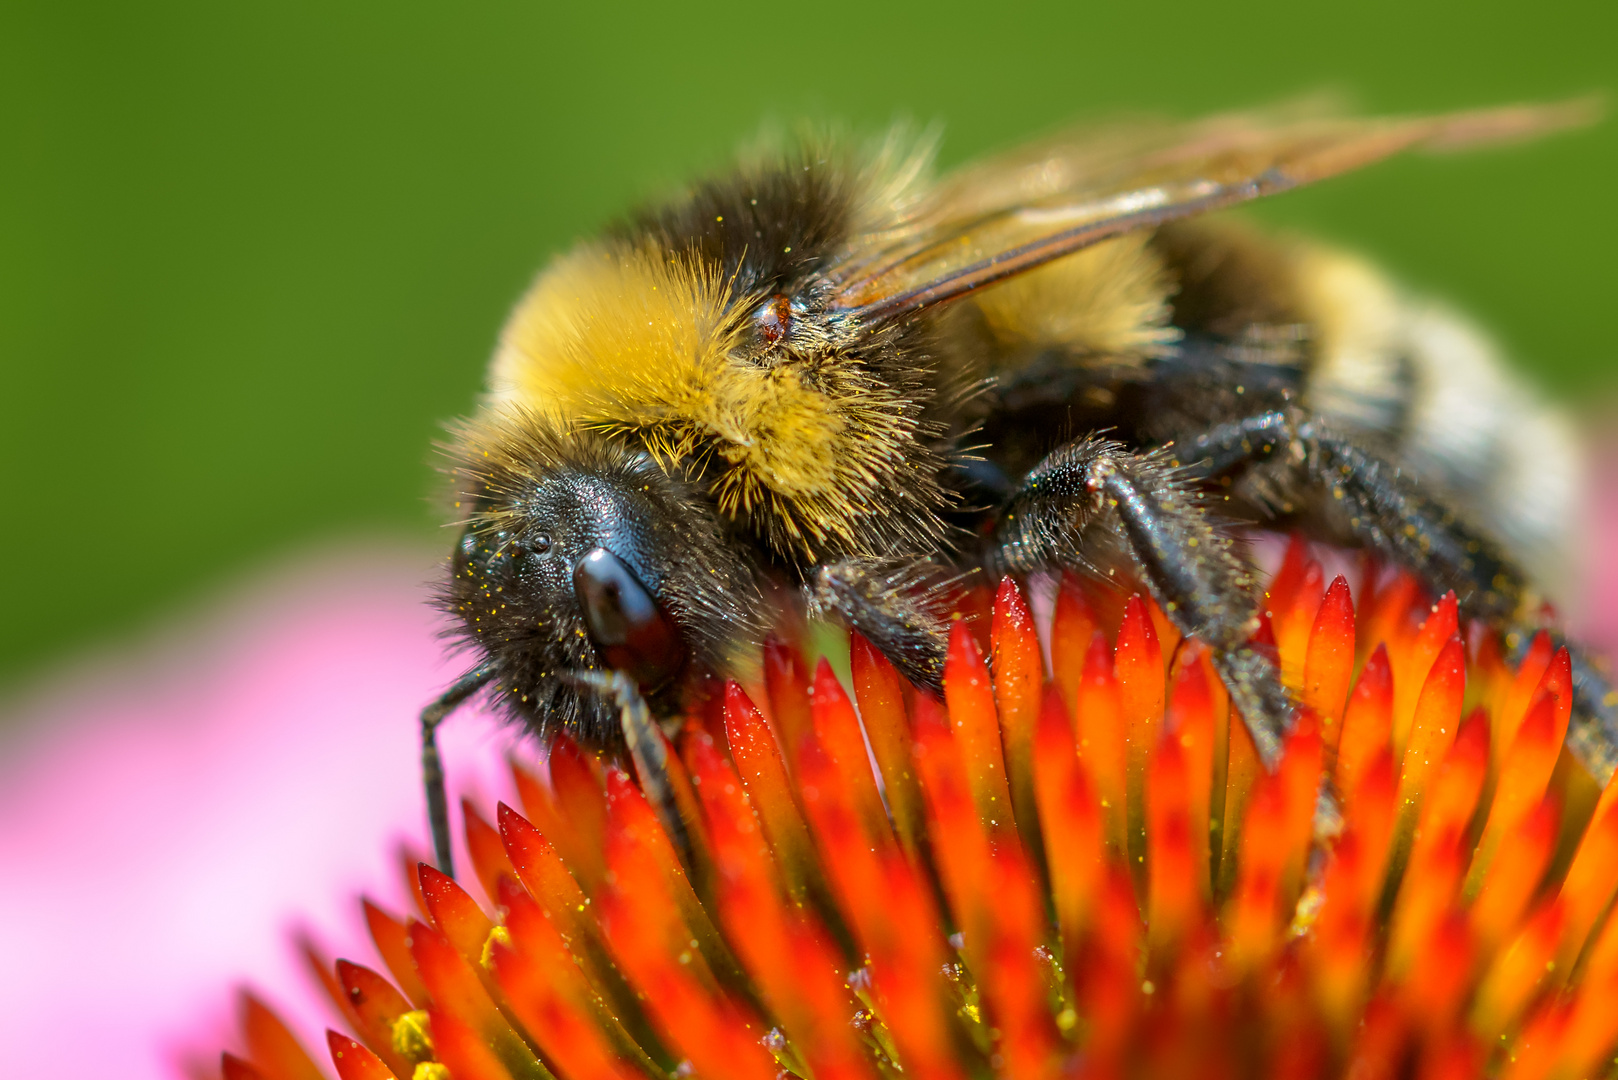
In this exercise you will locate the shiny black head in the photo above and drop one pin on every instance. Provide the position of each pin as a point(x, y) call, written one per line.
point(582, 554)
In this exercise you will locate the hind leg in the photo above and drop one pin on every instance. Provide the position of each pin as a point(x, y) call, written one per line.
point(1387, 510)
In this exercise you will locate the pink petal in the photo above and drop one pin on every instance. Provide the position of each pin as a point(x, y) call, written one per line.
point(167, 814)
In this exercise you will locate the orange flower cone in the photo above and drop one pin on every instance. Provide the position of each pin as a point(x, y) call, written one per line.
point(1070, 865)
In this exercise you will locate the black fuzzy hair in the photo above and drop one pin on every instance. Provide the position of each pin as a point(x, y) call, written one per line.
point(537, 497)
point(768, 227)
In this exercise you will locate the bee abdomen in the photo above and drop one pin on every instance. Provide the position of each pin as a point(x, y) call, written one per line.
point(1428, 384)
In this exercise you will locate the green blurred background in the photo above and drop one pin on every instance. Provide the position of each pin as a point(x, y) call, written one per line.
point(251, 255)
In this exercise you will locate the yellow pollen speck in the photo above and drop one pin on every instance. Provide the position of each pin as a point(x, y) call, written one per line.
point(500, 934)
point(412, 1038)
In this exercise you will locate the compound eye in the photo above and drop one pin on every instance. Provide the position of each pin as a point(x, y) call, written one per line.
point(632, 633)
point(772, 320)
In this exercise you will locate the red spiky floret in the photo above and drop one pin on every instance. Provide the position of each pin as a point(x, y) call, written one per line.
point(1075, 871)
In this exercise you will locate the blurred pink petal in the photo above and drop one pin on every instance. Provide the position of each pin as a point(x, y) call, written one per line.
point(168, 814)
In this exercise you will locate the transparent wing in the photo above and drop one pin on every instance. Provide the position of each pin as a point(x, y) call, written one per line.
point(989, 221)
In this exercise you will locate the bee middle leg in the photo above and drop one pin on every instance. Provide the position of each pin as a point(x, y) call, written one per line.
point(1385, 508)
point(1093, 493)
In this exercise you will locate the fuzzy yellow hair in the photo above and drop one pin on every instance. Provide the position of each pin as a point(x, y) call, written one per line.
point(1109, 301)
point(632, 339)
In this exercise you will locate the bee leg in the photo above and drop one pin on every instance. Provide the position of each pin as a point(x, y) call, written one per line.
point(1593, 730)
point(647, 749)
point(1381, 505)
point(1092, 493)
point(900, 606)
point(432, 767)
point(1385, 508)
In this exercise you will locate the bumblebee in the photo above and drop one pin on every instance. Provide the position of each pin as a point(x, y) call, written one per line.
point(832, 370)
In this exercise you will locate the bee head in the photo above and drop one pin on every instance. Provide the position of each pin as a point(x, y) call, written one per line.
point(582, 554)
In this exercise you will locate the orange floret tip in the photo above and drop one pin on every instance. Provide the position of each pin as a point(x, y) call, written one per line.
point(787, 684)
point(837, 730)
point(1070, 816)
point(579, 820)
point(391, 938)
point(1098, 719)
point(1018, 673)
point(758, 759)
point(1328, 669)
point(1292, 619)
point(1433, 721)
point(375, 1008)
point(273, 1052)
point(489, 860)
point(1073, 627)
point(880, 691)
point(552, 998)
point(1367, 720)
point(969, 695)
point(353, 1061)
point(1071, 863)
point(455, 913)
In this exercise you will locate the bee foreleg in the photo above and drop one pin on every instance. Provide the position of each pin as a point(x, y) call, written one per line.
point(1091, 493)
point(647, 749)
point(1384, 507)
point(899, 605)
point(432, 767)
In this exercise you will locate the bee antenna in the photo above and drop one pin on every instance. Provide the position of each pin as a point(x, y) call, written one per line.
point(432, 766)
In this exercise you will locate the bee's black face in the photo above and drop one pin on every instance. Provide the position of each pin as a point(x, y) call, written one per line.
point(599, 565)
point(569, 582)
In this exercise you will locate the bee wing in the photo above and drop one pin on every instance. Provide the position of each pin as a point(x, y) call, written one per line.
point(990, 221)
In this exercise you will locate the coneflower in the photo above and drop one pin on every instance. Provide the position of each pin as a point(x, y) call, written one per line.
point(1071, 864)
